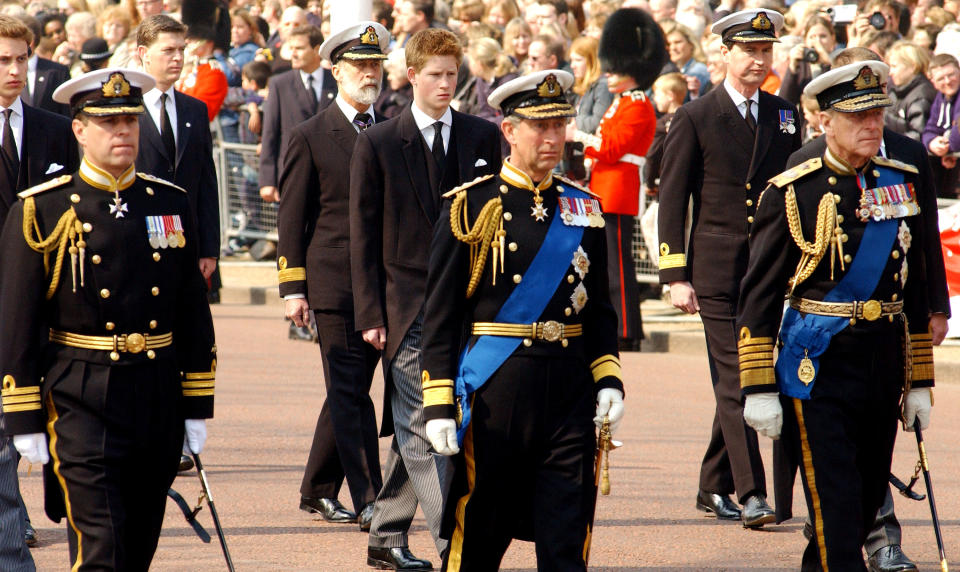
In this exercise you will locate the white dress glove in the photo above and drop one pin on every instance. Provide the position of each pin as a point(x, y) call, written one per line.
point(917, 406)
point(32, 447)
point(609, 402)
point(763, 412)
point(443, 436)
point(194, 436)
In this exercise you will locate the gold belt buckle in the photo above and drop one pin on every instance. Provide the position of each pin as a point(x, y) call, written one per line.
point(135, 343)
point(872, 310)
point(552, 331)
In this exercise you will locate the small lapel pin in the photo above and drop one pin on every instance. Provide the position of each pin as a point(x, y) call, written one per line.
point(188, 124)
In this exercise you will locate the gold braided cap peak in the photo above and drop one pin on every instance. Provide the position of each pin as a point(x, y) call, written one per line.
point(45, 186)
point(576, 185)
point(794, 173)
point(466, 186)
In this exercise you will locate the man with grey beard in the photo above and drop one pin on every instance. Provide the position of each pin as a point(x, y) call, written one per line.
point(314, 274)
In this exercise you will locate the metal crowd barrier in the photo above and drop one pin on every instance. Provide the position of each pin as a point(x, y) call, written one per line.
point(243, 214)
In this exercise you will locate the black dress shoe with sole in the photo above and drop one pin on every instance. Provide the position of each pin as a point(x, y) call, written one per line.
point(396, 559)
point(720, 505)
point(365, 518)
point(30, 536)
point(890, 559)
point(756, 512)
point(186, 463)
point(330, 509)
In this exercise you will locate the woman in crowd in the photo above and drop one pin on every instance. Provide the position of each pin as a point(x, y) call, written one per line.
point(685, 53)
point(244, 42)
point(140, 9)
point(516, 41)
point(491, 68)
point(820, 40)
point(592, 101)
point(116, 28)
point(501, 12)
point(911, 91)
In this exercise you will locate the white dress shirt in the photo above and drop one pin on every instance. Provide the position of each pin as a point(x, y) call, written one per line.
point(317, 76)
point(425, 125)
point(16, 123)
point(151, 100)
point(741, 102)
point(32, 76)
point(350, 112)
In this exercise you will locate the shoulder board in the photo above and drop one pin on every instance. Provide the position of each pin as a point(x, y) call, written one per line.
point(894, 164)
point(576, 185)
point(42, 187)
point(151, 178)
point(794, 173)
point(466, 186)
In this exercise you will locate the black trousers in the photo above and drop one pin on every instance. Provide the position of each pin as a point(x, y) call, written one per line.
point(115, 438)
point(526, 467)
point(345, 439)
point(624, 290)
point(732, 462)
point(843, 437)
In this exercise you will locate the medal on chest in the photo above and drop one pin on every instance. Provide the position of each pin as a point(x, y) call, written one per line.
point(787, 124)
point(892, 201)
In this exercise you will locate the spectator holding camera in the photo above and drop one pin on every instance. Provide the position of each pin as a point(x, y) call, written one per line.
point(876, 16)
point(809, 58)
point(939, 139)
point(911, 91)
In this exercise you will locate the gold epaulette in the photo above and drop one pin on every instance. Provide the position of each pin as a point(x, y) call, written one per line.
point(894, 164)
point(46, 186)
point(466, 186)
point(151, 178)
point(576, 185)
point(794, 173)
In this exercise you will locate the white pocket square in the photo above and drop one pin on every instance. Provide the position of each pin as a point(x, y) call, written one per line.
point(53, 168)
point(480, 163)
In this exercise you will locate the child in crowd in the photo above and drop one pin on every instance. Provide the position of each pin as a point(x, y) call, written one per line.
point(669, 91)
point(811, 118)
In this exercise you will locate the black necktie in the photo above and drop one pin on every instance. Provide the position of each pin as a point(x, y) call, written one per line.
point(748, 117)
point(438, 153)
point(362, 121)
point(10, 148)
point(166, 131)
point(312, 92)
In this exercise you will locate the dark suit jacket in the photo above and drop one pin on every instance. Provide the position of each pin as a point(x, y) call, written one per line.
point(50, 75)
point(287, 106)
point(908, 150)
point(47, 139)
point(194, 166)
point(313, 221)
point(392, 213)
point(711, 155)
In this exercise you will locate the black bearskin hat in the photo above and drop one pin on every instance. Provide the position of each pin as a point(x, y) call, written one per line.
point(632, 44)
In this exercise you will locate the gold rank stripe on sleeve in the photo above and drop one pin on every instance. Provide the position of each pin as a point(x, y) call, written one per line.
point(667, 260)
point(436, 391)
point(921, 350)
point(756, 360)
point(200, 384)
point(606, 366)
point(292, 274)
point(17, 399)
point(894, 164)
point(794, 173)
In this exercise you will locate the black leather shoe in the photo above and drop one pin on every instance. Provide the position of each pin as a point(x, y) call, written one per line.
point(891, 559)
point(330, 509)
point(396, 559)
point(30, 536)
point(808, 529)
point(719, 505)
point(186, 463)
point(365, 517)
point(756, 512)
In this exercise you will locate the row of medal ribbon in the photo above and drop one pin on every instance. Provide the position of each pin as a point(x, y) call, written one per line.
point(581, 212)
point(890, 202)
point(165, 231)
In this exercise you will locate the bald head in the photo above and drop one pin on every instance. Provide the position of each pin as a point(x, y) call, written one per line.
point(292, 17)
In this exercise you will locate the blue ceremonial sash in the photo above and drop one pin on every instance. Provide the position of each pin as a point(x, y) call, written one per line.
point(809, 335)
point(524, 306)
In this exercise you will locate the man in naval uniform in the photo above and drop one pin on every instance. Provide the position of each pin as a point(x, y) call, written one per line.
point(842, 235)
point(102, 299)
point(517, 290)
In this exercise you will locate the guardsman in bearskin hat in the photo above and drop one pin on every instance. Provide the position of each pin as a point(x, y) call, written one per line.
point(517, 292)
point(720, 151)
point(102, 301)
point(842, 235)
point(631, 55)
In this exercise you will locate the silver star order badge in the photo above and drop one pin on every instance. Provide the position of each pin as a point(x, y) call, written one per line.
point(538, 211)
point(118, 208)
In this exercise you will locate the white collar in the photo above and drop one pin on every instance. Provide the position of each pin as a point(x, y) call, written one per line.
point(152, 97)
point(423, 120)
point(737, 97)
point(32, 62)
point(317, 76)
point(16, 106)
point(349, 111)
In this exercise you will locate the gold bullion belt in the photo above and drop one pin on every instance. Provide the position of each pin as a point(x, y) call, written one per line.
point(129, 343)
point(550, 331)
point(870, 310)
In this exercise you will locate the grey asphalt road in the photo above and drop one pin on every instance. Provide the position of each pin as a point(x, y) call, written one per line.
point(269, 391)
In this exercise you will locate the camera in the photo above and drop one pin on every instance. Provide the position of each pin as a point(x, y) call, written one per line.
point(842, 14)
point(878, 21)
point(810, 55)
